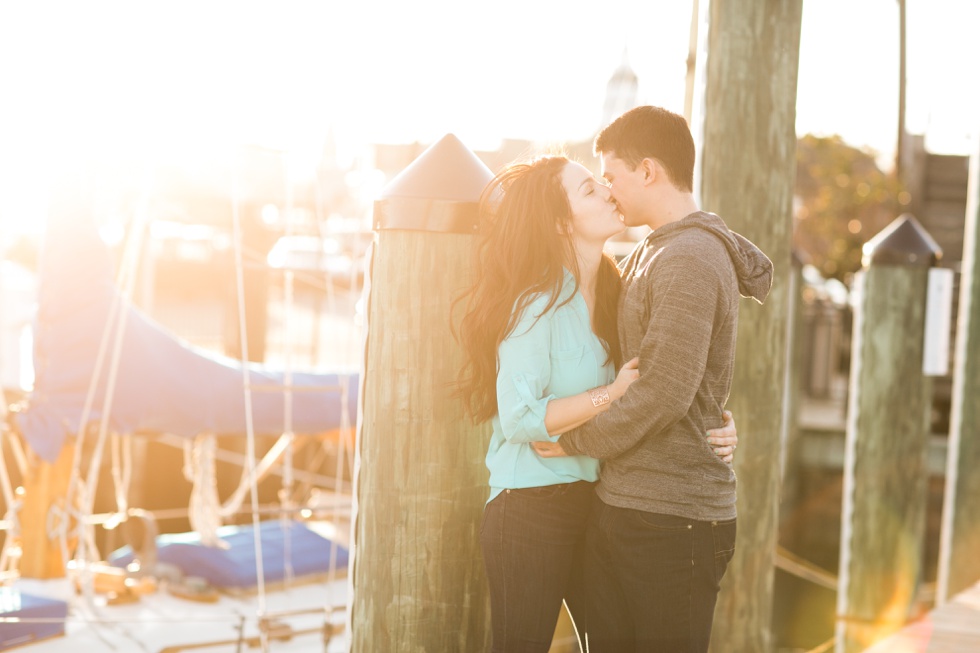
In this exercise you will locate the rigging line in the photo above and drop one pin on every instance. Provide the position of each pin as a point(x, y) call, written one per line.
point(255, 473)
point(7, 556)
point(287, 397)
point(180, 513)
point(309, 479)
point(86, 548)
point(825, 647)
point(81, 431)
point(344, 452)
point(269, 387)
point(8, 488)
point(238, 459)
point(801, 568)
point(249, 430)
point(344, 379)
point(129, 276)
point(121, 467)
point(17, 450)
point(76, 488)
point(338, 471)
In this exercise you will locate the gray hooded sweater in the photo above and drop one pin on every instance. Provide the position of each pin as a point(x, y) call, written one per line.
point(678, 313)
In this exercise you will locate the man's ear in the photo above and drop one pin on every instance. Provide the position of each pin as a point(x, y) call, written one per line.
point(650, 169)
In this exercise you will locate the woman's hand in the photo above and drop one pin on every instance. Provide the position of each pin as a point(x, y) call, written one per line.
point(549, 449)
point(725, 439)
point(628, 373)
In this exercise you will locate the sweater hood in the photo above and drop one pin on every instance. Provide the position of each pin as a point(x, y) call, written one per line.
point(752, 267)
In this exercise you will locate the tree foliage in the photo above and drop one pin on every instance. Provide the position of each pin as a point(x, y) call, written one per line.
point(842, 200)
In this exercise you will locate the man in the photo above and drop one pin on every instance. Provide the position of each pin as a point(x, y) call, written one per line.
point(662, 527)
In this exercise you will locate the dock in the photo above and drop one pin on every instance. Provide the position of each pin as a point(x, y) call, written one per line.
point(952, 628)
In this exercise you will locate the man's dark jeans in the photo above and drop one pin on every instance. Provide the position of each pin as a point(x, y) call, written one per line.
point(652, 580)
point(532, 541)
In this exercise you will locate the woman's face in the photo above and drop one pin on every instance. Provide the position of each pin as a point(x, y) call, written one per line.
point(595, 216)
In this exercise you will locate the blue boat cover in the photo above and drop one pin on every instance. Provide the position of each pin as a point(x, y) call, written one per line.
point(234, 567)
point(163, 384)
point(14, 604)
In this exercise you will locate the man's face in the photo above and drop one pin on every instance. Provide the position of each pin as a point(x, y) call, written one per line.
point(626, 186)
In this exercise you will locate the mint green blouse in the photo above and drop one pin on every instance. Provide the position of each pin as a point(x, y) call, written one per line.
point(554, 356)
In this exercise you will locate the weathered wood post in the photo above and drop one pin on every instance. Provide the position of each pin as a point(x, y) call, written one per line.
point(420, 481)
point(789, 447)
point(749, 170)
point(45, 503)
point(883, 516)
point(959, 564)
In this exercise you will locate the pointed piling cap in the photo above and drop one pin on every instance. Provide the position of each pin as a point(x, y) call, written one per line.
point(903, 242)
point(438, 191)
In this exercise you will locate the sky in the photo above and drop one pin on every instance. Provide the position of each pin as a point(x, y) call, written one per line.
point(130, 83)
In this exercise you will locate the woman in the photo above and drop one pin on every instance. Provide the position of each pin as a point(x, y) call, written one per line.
point(541, 345)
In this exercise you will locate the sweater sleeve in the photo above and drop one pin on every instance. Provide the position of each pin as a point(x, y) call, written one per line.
point(682, 298)
point(524, 375)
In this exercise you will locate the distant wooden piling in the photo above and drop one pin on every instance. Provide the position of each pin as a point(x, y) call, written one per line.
point(749, 170)
point(883, 516)
point(790, 454)
point(959, 562)
point(420, 479)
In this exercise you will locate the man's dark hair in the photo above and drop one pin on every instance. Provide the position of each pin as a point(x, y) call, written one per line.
point(655, 133)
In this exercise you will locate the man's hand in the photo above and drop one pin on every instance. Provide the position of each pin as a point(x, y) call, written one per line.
point(548, 449)
point(725, 439)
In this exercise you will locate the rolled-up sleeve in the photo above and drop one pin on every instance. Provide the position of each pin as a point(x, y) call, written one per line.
point(523, 377)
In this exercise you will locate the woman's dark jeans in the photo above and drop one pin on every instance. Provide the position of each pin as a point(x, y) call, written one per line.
point(532, 541)
point(652, 580)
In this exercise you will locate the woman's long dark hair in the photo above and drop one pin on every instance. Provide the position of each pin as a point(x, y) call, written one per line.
point(520, 253)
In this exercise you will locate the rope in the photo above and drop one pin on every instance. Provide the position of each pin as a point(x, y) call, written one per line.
point(204, 509)
point(345, 431)
point(823, 648)
point(345, 448)
point(797, 566)
point(200, 463)
point(85, 491)
point(122, 472)
point(5, 484)
point(285, 493)
point(9, 554)
point(246, 380)
point(20, 456)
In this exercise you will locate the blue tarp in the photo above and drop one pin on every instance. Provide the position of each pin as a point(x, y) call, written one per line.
point(42, 617)
point(163, 384)
point(234, 567)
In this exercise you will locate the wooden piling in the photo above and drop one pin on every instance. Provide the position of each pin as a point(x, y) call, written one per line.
point(749, 170)
point(883, 516)
point(959, 564)
point(420, 480)
point(43, 514)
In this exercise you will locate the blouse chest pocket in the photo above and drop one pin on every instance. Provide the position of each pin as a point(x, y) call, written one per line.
point(572, 370)
point(574, 354)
